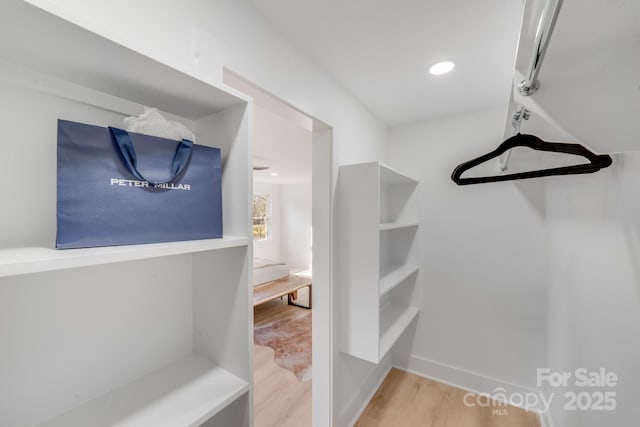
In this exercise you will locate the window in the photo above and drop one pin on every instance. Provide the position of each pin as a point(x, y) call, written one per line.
point(261, 216)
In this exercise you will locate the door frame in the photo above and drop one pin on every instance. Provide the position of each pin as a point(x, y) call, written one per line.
point(322, 255)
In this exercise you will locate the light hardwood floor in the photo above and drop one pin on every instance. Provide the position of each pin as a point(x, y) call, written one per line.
point(403, 399)
point(407, 400)
point(280, 399)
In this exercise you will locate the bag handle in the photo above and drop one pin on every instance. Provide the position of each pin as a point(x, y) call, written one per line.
point(128, 152)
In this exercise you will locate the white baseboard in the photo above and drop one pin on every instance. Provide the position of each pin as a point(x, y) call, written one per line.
point(359, 402)
point(466, 380)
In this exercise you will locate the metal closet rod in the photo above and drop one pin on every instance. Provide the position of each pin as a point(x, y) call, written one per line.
point(530, 84)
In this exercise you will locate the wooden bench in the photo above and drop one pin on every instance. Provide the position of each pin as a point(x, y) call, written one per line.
point(289, 286)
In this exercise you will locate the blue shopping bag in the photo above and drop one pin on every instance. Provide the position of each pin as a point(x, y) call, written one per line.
point(120, 188)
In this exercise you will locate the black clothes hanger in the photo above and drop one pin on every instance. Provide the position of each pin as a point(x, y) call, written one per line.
point(596, 162)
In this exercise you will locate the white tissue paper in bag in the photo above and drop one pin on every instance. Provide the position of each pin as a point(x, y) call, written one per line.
point(152, 123)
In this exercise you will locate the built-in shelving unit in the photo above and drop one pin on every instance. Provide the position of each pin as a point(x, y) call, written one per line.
point(378, 223)
point(140, 335)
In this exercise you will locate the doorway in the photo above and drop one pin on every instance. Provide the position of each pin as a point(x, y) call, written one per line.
point(292, 233)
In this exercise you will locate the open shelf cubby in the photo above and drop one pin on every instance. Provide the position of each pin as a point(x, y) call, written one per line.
point(378, 269)
point(156, 334)
point(392, 275)
point(188, 392)
point(394, 319)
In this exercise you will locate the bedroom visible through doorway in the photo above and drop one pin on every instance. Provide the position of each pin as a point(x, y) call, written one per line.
point(282, 259)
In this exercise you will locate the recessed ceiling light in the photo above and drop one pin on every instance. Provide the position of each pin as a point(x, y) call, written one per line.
point(441, 68)
point(274, 174)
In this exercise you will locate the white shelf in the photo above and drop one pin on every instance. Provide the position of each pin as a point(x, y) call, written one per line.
point(394, 320)
point(390, 176)
point(28, 260)
point(396, 225)
point(126, 74)
point(392, 275)
point(184, 394)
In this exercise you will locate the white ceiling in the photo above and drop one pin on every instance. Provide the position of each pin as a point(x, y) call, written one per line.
point(380, 50)
point(282, 145)
point(282, 136)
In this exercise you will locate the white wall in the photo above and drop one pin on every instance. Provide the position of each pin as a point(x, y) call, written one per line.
point(271, 247)
point(594, 285)
point(482, 273)
point(526, 275)
point(202, 36)
point(296, 225)
point(290, 234)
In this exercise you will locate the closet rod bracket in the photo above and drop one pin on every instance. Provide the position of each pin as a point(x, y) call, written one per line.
point(527, 90)
point(517, 117)
point(547, 23)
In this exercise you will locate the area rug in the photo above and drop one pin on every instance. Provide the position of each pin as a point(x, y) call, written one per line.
point(291, 340)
